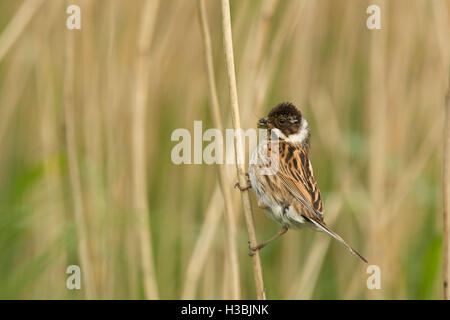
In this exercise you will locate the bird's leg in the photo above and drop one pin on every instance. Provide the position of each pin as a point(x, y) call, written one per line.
point(248, 186)
point(251, 250)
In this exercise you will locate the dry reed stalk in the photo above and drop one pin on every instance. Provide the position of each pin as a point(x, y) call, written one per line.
point(441, 23)
point(225, 284)
point(222, 175)
point(331, 136)
point(239, 147)
point(91, 137)
point(92, 117)
point(74, 171)
point(267, 11)
point(17, 24)
point(446, 198)
point(139, 174)
point(19, 68)
point(253, 53)
point(412, 172)
point(348, 177)
point(378, 121)
point(196, 264)
point(302, 73)
point(13, 89)
point(306, 281)
point(303, 287)
point(51, 223)
point(160, 51)
point(111, 241)
point(203, 245)
point(267, 65)
point(209, 284)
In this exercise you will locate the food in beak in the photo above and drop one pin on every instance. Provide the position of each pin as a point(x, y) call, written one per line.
point(262, 123)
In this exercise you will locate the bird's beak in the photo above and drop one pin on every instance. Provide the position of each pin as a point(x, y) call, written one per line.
point(262, 123)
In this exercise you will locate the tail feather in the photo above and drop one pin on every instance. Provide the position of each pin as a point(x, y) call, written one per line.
point(324, 228)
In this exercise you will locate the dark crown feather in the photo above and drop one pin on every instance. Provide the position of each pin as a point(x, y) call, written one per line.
point(285, 108)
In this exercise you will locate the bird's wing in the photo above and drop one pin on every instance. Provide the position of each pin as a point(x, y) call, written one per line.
point(296, 174)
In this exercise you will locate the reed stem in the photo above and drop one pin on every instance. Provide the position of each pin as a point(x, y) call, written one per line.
point(139, 174)
point(446, 198)
point(74, 171)
point(17, 25)
point(239, 147)
point(217, 121)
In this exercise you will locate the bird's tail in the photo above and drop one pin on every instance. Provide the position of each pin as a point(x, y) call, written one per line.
point(324, 228)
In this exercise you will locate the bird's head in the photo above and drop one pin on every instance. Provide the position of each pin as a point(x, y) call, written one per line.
point(286, 121)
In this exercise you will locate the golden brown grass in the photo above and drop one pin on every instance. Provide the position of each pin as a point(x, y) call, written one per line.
point(222, 174)
point(153, 229)
point(73, 167)
point(446, 197)
point(139, 156)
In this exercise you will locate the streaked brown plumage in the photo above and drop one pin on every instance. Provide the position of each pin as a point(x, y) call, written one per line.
point(289, 193)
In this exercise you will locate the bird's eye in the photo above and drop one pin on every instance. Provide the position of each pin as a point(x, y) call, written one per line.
point(282, 120)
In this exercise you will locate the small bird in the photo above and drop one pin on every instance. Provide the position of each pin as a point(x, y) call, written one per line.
point(289, 194)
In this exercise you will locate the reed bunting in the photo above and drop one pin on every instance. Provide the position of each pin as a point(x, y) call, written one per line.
point(289, 194)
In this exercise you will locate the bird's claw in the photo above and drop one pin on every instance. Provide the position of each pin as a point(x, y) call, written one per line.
point(251, 250)
point(248, 186)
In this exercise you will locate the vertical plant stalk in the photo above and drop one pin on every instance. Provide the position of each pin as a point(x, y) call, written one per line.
point(217, 121)
point(239, 149)
point(49, 228)
point(17, 24)
point(74, 171)
point(377, 137)
point(139, 174)
point(446, 197)
point(203, 245)
point(111, 240)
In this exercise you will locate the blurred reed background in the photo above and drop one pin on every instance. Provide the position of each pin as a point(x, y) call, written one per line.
point(86, 119)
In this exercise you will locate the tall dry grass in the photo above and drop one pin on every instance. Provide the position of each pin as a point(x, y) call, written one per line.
point(152, 229)
point(239, 146)
point(446, 196)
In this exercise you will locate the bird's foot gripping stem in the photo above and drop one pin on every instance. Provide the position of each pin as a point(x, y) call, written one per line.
point(243, 188)
point(252, 250)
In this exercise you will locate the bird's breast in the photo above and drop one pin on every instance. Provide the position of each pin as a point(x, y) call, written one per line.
point(270, 191)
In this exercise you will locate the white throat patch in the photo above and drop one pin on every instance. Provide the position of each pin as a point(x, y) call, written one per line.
point(295, 138)
point(279, 134)
point(301, 135)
